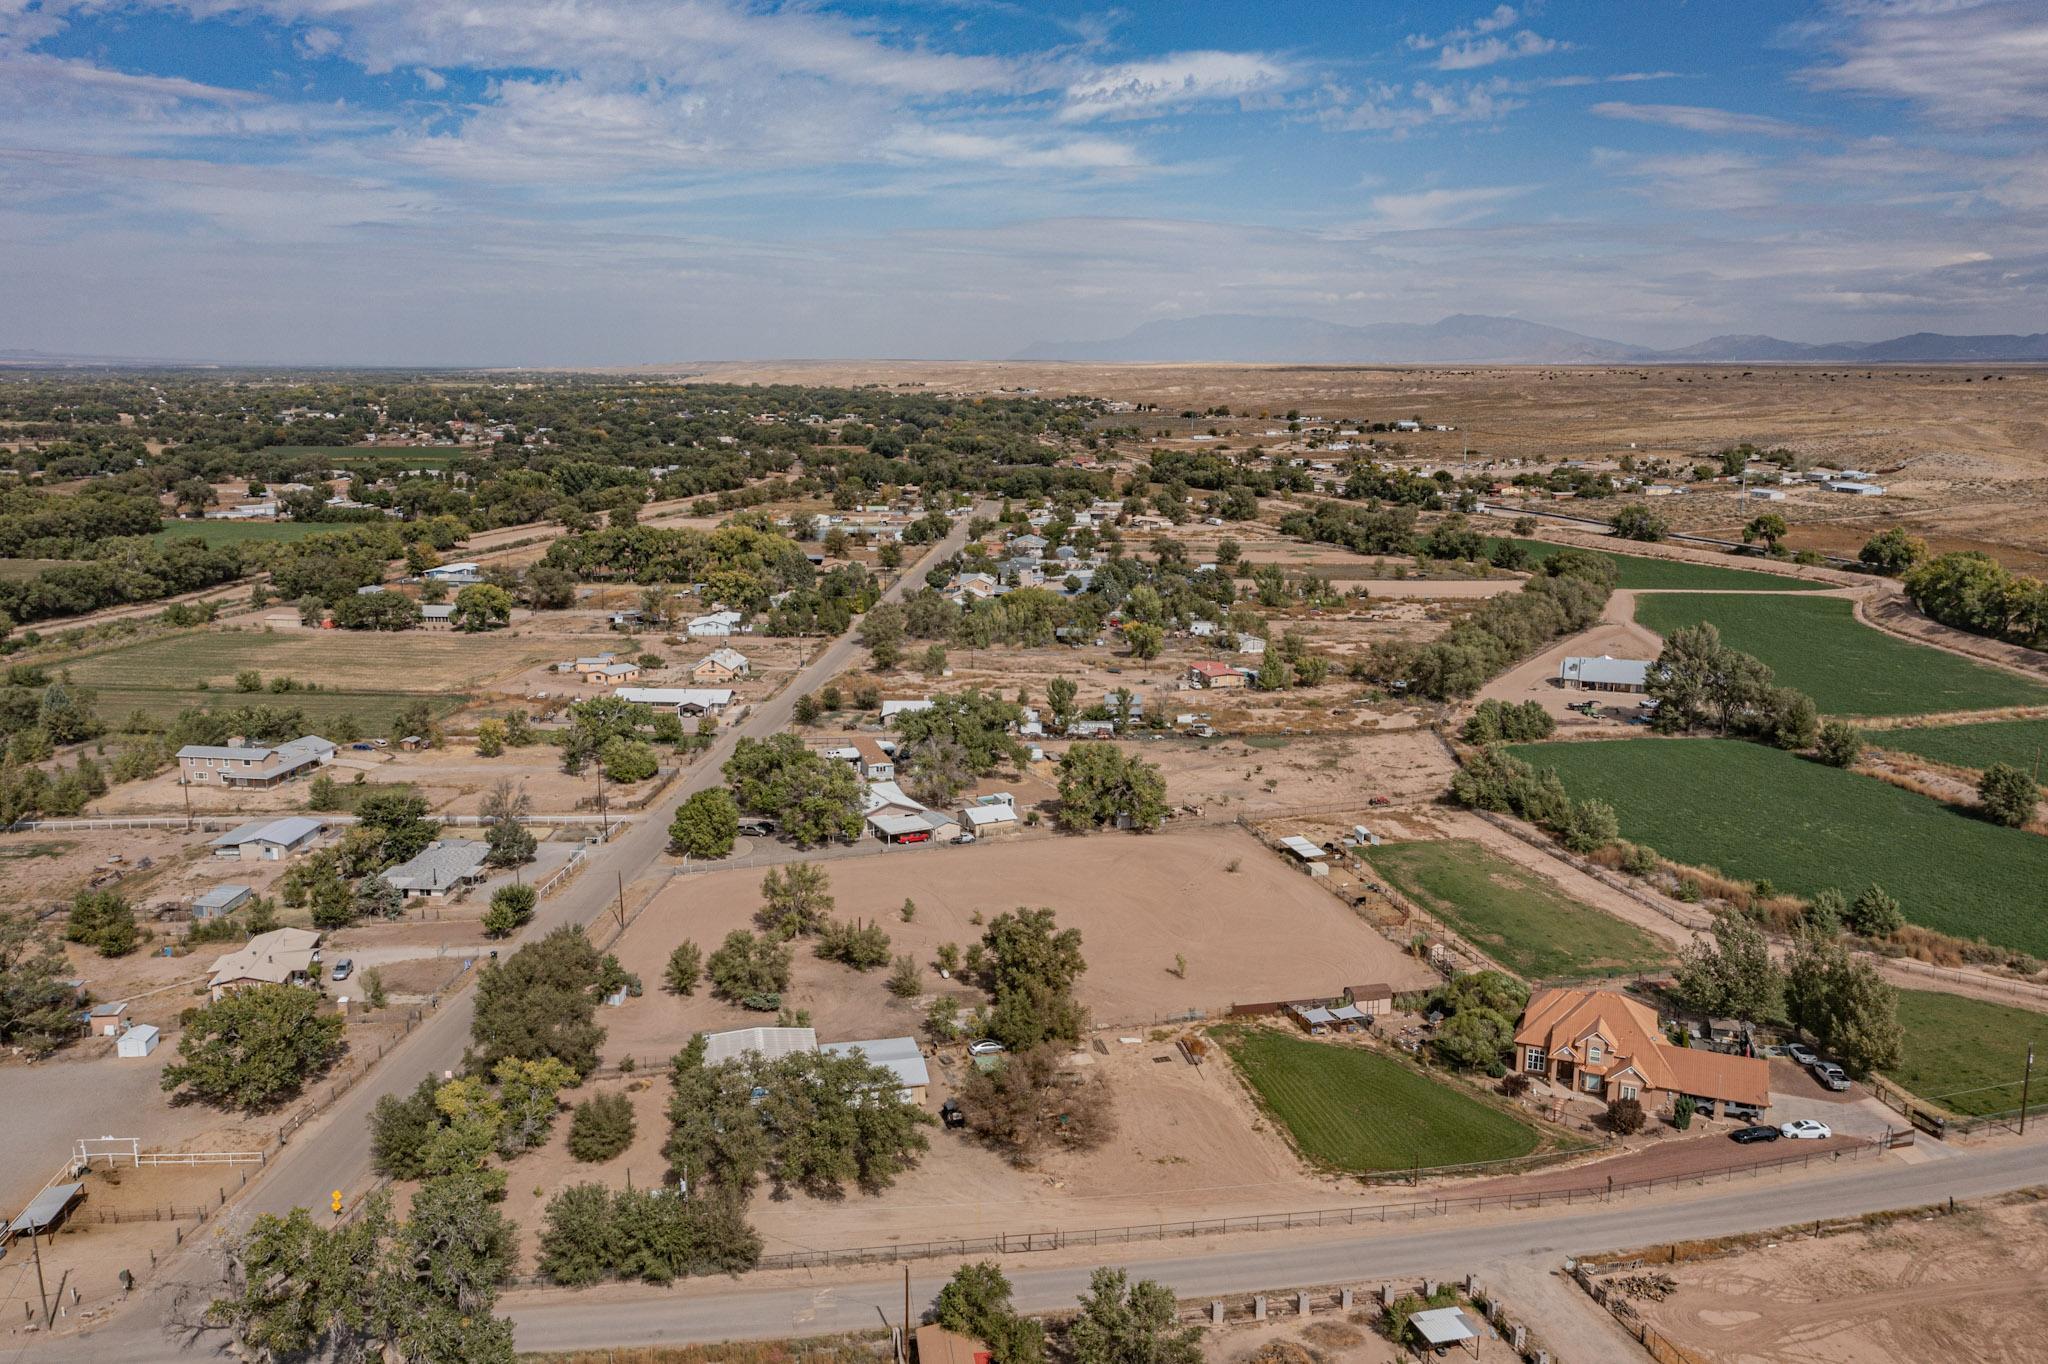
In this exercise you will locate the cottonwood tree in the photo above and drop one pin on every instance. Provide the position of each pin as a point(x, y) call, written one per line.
point(813, 798)
point(506, 805)
point(539, 1002)
point(1025, 1103)
point(750, 971)
point(1121, 1322)
point(1101, 784)
point(254, 1048)
point(705, 825)
point(1843, 1003)
point(976, 1302)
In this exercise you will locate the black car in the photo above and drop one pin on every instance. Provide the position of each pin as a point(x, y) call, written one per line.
point(1746, 1135)
point(950, 1114)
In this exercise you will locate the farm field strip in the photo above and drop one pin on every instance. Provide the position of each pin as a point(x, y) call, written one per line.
point(1355, 1110)
point(1967, 1054)
point(1649, 574)
point(427, 662)
point(1818, 646)
point(1522, 921)
point(1758, 813)
point(245, 532)
point(2023, 743)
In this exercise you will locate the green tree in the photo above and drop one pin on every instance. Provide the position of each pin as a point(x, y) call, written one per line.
point(746, 968)
point(490, 738)
point(254, 1048)
point(506, 805)
point(1769, 528)
point(402, 1131)
point(377, 898)
point(685, 968)
point(481, 606)
point(1121, 1322)
point(862, 946)
point(1060, 697)
point(37, 1008)
point(511, 907)
point(399, 819)
point(1730, 974)
point(601, 1129)
point(628, 760)
point(795, 899)
point(835, 1120)
point(103, 921)
point(976, 1303)
point(813, 798)
point(1102, 784)
point(1841, 744)
point(1842, 1002)
point(882, 633)
point(1638, 522)
point(1892, 551)
point(2007, 795)
point(705, 825)
point(1145, 640)
point(1875, 914)
point(539, 1002)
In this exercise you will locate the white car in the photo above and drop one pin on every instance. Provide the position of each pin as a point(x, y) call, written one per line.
point(985, 1047)
point(1806, 1129)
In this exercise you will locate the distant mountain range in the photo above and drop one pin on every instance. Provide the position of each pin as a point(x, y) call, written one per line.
point(1471, 338)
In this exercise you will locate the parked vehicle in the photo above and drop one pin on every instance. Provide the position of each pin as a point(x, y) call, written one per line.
point(1803, 1055)
point(343, 969)
point(964, 838)
point(1832, 1076)
point(1761, 1132)
point(987, 1046)
point(950, 1114)
point(1806, 1129)
point(1744, 1112)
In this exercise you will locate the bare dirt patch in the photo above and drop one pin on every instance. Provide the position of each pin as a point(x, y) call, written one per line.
point(1961, 1287)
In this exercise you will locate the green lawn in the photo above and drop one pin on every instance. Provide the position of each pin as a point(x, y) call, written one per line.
point(14, 570)
point(1519, 919)
point(2023, 743)
point(1818, 646)
point(1358, 1111)
point(1639, 571)
point(1755, 812)
point(244, 532)
point(1966, 1054)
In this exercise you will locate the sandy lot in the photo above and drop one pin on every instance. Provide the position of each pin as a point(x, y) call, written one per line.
point(1273, 775)
point(1962, 1287)
point(1261, 932)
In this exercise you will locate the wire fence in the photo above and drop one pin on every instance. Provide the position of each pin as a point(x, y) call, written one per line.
point(1044, 1239)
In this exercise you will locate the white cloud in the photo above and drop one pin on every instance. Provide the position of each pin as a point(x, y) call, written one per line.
point(1487, 51)
point(1386, 108)
point(1151, 87)
point(1699, 119)
point(1968, 62)
point(1440, 207)
point(1485, 41)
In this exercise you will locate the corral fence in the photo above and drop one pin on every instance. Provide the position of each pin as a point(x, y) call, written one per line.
point(1019, 1242)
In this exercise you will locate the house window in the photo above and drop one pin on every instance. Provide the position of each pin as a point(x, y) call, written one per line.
point(1628, 1091)
point(1592, 1051)
point(1535, 1060)
point(1593, 1083)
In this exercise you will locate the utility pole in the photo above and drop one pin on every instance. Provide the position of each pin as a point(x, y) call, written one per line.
point(42, 1292)
point(2026, 1089)
point(603, 819)
point(622, 900)
point(906, 1314)
point(186, 787)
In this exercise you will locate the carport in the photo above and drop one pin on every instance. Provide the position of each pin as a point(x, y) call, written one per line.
point(45, 1210)
point(1443, 1326)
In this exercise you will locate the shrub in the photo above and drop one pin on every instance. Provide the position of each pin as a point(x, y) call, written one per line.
point(511, 907)
point(906, 981)
point(1626, 1117)
point(746, 968)
point(1841, 744)
point(861, 946)
point(601, 1128)
point(1875, 914)
point(2008, 795)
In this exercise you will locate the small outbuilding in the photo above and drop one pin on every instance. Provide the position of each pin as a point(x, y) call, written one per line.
point(1441, 1327)
point(224, 899)
point(139, 1041)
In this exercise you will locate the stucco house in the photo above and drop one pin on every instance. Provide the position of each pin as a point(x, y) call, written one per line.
point(1606, 1045)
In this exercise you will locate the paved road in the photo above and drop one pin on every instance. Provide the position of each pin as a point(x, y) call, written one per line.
point(333, 1151)
point(804, 1304)
point(712, 1310)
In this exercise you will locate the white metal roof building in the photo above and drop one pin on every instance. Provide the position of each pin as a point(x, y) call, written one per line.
point(899, 1054)
point(767, 1043)
point(1606, 673)
point(268, 840)
point(1301, 847)
point(691, 700)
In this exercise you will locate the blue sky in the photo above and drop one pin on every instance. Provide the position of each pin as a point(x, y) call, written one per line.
point(595, 182)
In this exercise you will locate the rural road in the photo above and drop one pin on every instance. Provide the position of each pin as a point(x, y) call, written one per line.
point(333, 1150)
point(810, 1304)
